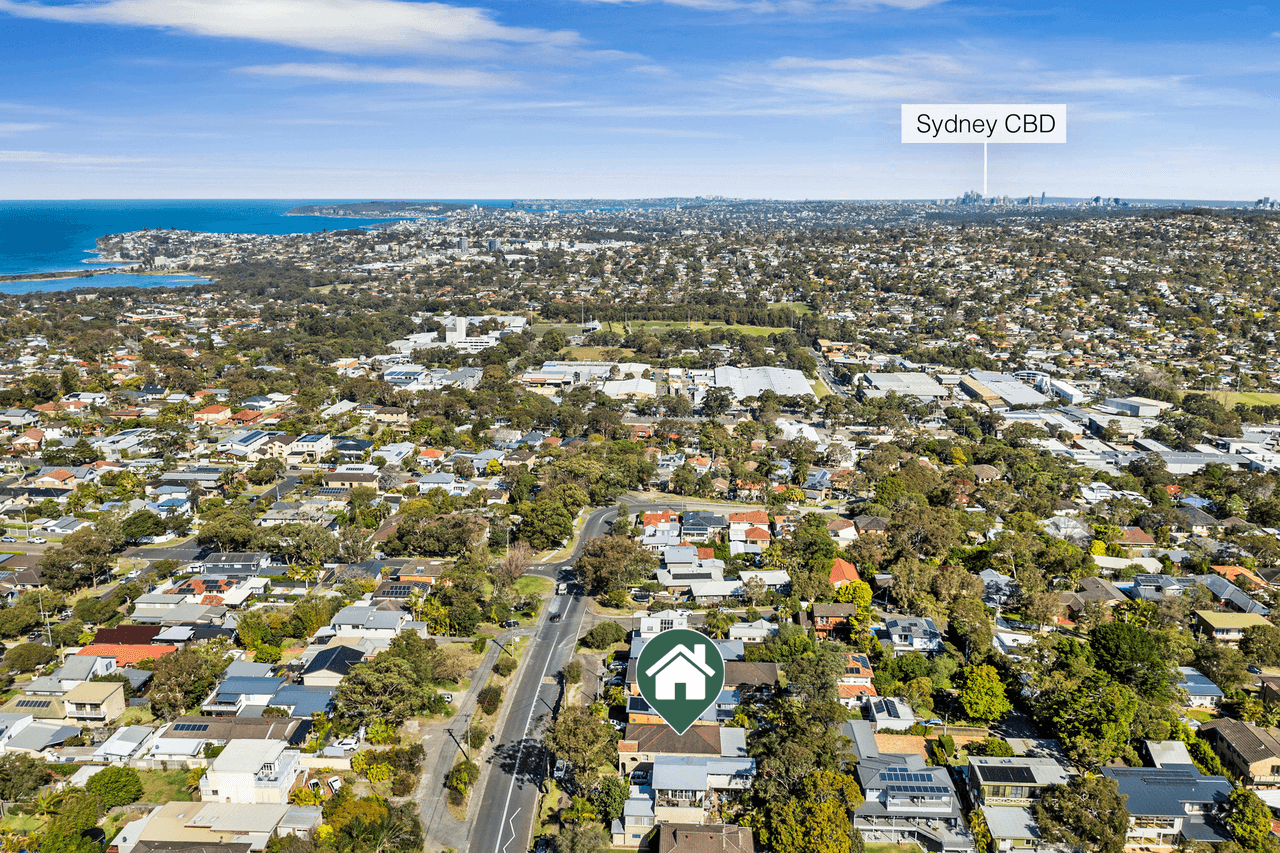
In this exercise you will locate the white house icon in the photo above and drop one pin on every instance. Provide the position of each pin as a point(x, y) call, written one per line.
point(681, 666)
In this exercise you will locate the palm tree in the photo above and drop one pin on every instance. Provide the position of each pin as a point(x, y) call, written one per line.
point(194, 775)
point(579, 811)
point(717, 623)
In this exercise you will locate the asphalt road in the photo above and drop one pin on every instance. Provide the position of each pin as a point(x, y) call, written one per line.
point(280, 489)
point(502, 819)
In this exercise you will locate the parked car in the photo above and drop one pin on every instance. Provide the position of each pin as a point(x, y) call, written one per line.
point(934, 722)
point(511, 623)
point(37, 540)
point(562, 768)
point(335, 783)
point(1256, 670)
point(448, 697)
point(618, 724)
point(346, 743)
point(8, 538)
point(639, 777)
point(617, 665)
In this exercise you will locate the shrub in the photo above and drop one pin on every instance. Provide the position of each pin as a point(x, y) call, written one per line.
point(403, 784)
point(948, 744)
point(376, 773)
point(462, 776)
point(381, 733)
point(572, 672)
point(115, 786)
point(615, 598)
point(476, 735)
point(990, 746)
point(267, 654)
point(505, 665)
point(480, 645)
point(489, 699)
point(604, 635)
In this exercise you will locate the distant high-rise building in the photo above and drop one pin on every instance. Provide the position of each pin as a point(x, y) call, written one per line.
point(494, 244)
point(1042, 197)
point(462, 244)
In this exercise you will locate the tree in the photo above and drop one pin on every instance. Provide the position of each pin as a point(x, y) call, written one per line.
point(545, 524)
point(514, 563)
point(718, 623)
point(78, 562)
point(1249, 820)
point(614, 562)
point(1223, 665)
point(28, 656)
point(572, 672)
point(1130, 654)
point(384, 688)
point(143, 523)
point(609, 798)
point(581, 838)
point(816, 819)
point(181, 679)
point(115, 786)
point(21, 776)
point(1088, 814)
point(584, 740)
point(983, 695)
point(1042, 608)
point(1261, 644)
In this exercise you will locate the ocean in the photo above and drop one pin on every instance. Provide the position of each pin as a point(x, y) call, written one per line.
point(53, 236)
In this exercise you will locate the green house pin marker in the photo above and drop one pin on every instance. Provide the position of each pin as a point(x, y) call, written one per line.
point(681, 674)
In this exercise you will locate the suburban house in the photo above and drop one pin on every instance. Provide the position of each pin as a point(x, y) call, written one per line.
point(843, 572)
point(181, 744)
point(717, 838)
point(1017, 781)
point(683, 667)
point(1201, 692)
point(642, 744)
point(890, 712)
point(74, 671)
point(369, 622)
point(95, 702)
point(911, 634)
point(237, 693)
point(1249, 752)
point(1171, 805)
point(329, 666)
point(652, 624)
point(207, 826)
point(252, 771)
point(1226, 628)
point(833, 618)
point(906, 801)
point(854, 685)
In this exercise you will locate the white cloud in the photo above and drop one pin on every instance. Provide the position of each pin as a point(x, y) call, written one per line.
point(660, 131)
point(336, 26)
point(444, 77)
point(12, 127)
point(66, 159)
point(784, 6)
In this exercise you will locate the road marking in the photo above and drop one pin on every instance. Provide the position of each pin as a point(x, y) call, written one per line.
point(529, 719)
point(512, 822)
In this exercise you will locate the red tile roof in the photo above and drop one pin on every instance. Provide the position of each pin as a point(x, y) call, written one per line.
point(126, 655)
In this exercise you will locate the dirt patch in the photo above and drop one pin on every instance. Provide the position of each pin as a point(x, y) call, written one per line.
point(902, 744)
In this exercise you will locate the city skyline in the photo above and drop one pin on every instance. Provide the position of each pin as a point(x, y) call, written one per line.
point(607, 98)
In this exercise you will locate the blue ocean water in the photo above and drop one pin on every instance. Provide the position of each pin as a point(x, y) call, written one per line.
point(52, 236)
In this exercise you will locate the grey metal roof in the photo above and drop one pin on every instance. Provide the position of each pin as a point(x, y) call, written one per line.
point(1166, 791)
point(40, 735)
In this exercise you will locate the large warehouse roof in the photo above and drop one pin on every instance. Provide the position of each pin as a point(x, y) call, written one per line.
point(750, 381)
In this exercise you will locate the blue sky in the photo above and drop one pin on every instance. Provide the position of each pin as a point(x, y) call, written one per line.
point(625, 98)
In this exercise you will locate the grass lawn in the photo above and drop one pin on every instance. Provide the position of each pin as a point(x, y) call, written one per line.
point(533, 585)
point(21, 822)
point(137, 717)
point(164, 786)
point(1249, 398)
point(820, 388)
point(1199, 715)
point(892, 848)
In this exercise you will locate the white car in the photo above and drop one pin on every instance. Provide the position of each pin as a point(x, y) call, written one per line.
point(562, 768)
point(347, 743)
point(335, 783)
point(448, 697)
point(37, 540)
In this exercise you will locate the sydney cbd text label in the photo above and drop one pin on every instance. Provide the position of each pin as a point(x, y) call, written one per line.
point(1018, 123)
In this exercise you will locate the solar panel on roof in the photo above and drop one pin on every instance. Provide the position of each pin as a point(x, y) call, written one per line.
point(34, 703)
point(191, 727)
